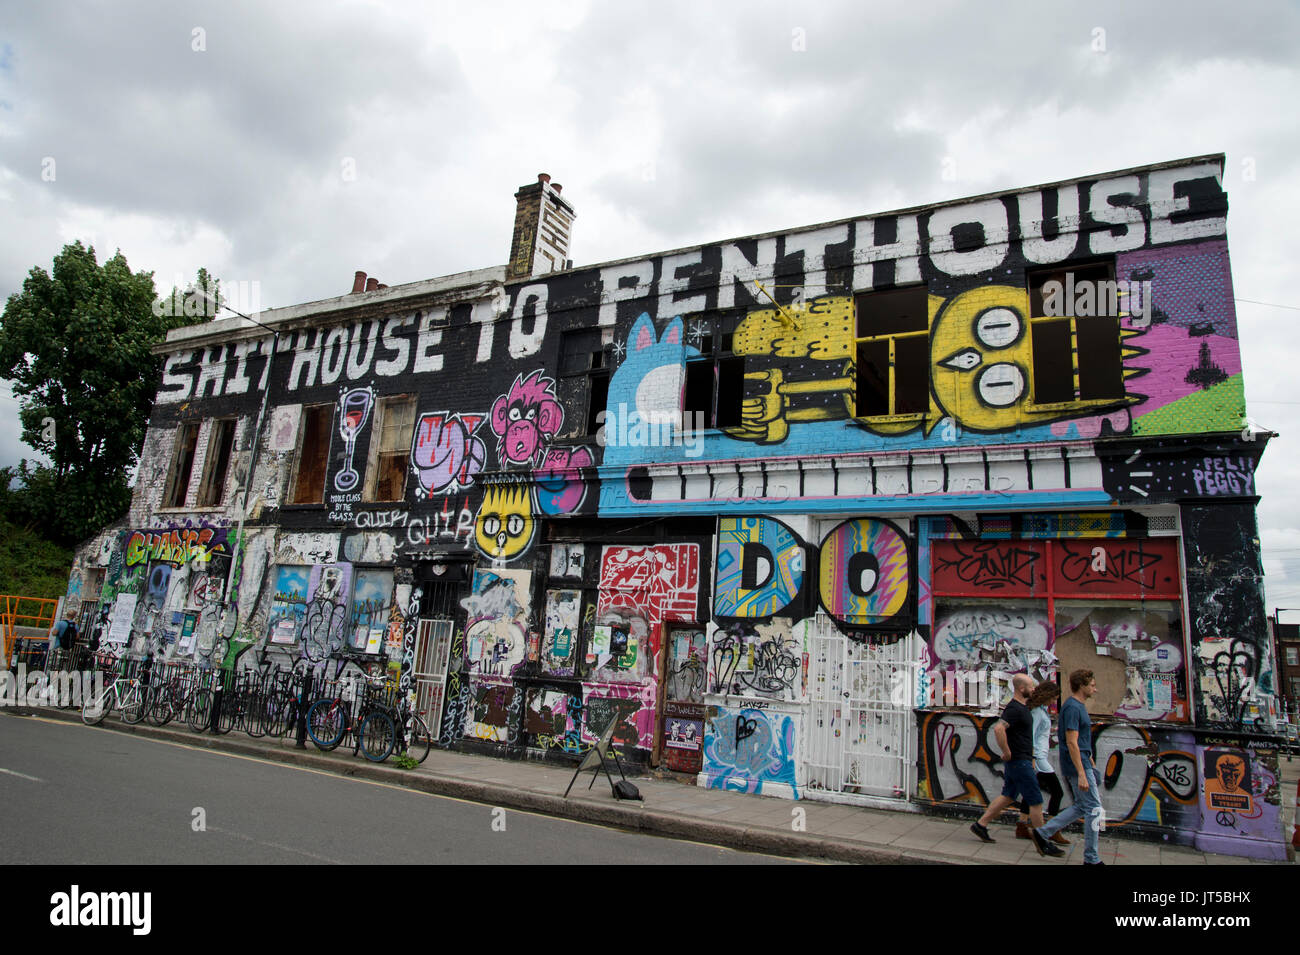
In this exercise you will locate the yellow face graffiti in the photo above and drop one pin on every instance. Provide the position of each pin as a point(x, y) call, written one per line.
point(982, 360)
point(504, 527)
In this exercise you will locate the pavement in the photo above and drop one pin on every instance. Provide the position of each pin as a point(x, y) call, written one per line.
point(672, 808)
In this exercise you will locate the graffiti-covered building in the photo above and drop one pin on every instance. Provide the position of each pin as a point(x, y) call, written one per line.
point(788, 510)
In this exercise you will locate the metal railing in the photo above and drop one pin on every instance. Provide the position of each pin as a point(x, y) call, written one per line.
point(28, 615)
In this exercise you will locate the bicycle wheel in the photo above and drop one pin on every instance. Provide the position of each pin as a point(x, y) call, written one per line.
point(228, 717)
point(96, 708)
point(281, 713)
point(255, 715)
point(327, 721)
point(200, 710)
point(161, 709)
point(418, 740)
point(133, 705)
point(377, 736)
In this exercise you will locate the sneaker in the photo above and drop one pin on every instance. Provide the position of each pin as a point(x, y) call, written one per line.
point(1098, 862)
point(1022, 830)
point(1044, 847)
point(981, 832)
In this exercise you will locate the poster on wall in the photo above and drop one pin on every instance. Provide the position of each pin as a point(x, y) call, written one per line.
point(185, 645)
point(119, 625)
point(371, 596)
point(288, 604)
point(1227, 781)
point(683, 736)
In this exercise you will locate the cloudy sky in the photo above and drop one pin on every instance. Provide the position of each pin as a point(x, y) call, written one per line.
point(293, 143)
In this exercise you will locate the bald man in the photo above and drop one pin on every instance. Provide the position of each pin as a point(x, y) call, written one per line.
point(1015, 735)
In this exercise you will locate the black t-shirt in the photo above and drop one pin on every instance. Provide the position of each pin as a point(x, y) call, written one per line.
point(1020, 730)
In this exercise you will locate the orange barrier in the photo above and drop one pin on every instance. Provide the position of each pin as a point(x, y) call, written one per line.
point(32, 613)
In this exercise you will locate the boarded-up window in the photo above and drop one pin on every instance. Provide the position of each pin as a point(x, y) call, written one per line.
point(217, 464)
point(313, 453)
point(392, 451)
point(178, 482)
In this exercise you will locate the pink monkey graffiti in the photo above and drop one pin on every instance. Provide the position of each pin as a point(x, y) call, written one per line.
point(525, 419)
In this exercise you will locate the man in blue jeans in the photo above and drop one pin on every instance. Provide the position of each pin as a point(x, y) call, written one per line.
point(1078, 768)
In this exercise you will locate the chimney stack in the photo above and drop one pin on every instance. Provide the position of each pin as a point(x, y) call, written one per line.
point(543, 221)
point(359, 282)
point(372, 284)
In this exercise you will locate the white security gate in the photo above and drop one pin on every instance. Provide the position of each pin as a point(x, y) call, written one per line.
point(432, 648)
point(860, 736)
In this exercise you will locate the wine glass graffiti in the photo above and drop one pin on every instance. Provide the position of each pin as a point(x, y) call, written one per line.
point(356, 410)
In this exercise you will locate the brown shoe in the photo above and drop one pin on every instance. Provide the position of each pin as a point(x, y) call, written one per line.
point(1060, 840)
point(1022, 830)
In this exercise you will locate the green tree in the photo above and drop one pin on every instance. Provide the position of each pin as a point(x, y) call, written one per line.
point(77, 344)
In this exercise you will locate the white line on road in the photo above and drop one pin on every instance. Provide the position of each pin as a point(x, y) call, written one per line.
point(275, 845)
point(21, 775)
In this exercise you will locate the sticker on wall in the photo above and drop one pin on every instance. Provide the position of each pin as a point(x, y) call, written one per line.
point(1227, 781)
point(567, 560)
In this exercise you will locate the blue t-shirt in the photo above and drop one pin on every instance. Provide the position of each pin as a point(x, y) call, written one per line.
point(1074, 716)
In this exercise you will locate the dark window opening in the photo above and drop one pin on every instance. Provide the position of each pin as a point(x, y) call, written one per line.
point(313, 454)
point(1075, 320)
point(582, 352)
point(220, 445)
point(1053, 362)
point(178, 484)
point(893, 352)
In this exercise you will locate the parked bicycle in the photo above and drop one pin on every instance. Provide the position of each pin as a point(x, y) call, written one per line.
point(125, 692)
point(331, 719)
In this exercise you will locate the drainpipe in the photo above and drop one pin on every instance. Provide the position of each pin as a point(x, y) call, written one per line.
point(252, 460)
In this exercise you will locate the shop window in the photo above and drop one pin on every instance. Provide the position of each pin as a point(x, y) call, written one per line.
point(391, 449)
point(220, 444)
point(582, 357)
point(178, 481)
point(313, 454)
point(892, 339)
point(1019, 606)
point(1075, 334)
point(715, 379)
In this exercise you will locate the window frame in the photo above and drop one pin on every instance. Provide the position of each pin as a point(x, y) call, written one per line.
point(376, 454)
point(296, 492)
point(218, 427)
point(892, 337)
point(716, 350)
point(1034, 281)
point(184, 448)
point(590, 364)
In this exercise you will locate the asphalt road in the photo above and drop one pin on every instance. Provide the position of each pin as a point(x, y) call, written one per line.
point(74, 794)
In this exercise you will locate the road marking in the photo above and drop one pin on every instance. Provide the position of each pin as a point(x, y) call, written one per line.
point(21, 775)
point(274, 845)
